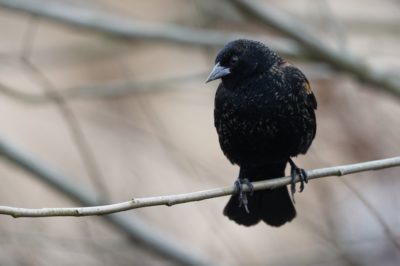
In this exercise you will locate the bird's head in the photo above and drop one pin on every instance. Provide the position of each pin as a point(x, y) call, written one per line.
point(242, 59)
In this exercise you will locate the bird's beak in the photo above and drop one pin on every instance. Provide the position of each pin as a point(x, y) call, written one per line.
point(218, 72)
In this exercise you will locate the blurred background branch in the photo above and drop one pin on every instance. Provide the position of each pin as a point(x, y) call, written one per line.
point(136, 230)
point(268, 15)
point(103, 90)
point(51, 92)
point(309, 45)
point(115, 25)
point(375, 213)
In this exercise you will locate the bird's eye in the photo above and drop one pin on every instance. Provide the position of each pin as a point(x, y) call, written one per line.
point(234, 60)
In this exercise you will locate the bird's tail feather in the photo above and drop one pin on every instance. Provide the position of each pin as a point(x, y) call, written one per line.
point(274, 207)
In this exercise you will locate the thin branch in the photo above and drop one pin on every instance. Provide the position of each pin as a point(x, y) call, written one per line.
point(116, 26)
point(333, 24)
point(196, 196)
point(29, 36)
point(308, 45)
point(102, 90)
point(139, 232)
point(68, 115)
point(375, 213)
point(75, 129)
point(271, 17)
point(370, 208)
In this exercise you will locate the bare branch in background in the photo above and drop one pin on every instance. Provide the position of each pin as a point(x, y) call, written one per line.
point(374, 212)
point(75, 129)
point(116, 26)
point(139, 232)
point(271, 17)
point(370, 208)
point(333, 24)
point(310, 45)
point(196, 196)
point(102, 90)
point(81, 144)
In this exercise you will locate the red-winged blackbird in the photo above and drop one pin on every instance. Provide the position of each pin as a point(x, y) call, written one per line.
point(264, 115)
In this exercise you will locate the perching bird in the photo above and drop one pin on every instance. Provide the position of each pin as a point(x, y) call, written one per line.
point(264, 115)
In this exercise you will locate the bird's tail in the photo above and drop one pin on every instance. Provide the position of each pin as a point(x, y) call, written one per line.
point(274, 207)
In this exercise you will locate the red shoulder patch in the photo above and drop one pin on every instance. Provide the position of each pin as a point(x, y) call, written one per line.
point(307, 87)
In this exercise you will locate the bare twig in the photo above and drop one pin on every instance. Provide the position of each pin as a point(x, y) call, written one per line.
point(333, 24)
point(272, 17)
point(375, 213)
point(71, 120)
point(310, 45)
point(139, 232)
point(116, 26)
point(371, 209)
point(195, 196)
point(102, 90)
point(74, 127)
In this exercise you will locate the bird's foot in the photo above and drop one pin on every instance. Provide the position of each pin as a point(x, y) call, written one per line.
point(243, 201)
point(296, 171)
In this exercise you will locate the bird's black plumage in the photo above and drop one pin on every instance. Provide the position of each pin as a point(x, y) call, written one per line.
point(264, 115)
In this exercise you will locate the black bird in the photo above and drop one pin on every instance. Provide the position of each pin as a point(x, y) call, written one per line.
point(264, 115)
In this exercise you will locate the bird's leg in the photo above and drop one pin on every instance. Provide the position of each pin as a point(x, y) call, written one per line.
point(242, 195)
point(294, 171)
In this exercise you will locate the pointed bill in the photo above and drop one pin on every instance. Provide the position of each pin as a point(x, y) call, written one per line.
point(218, 72)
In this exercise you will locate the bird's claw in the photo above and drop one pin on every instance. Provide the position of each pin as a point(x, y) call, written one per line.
point(296, 171)
point(243, 201)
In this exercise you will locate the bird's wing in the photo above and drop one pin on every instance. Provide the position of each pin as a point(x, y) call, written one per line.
point(298, 81)
point(310, 94)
